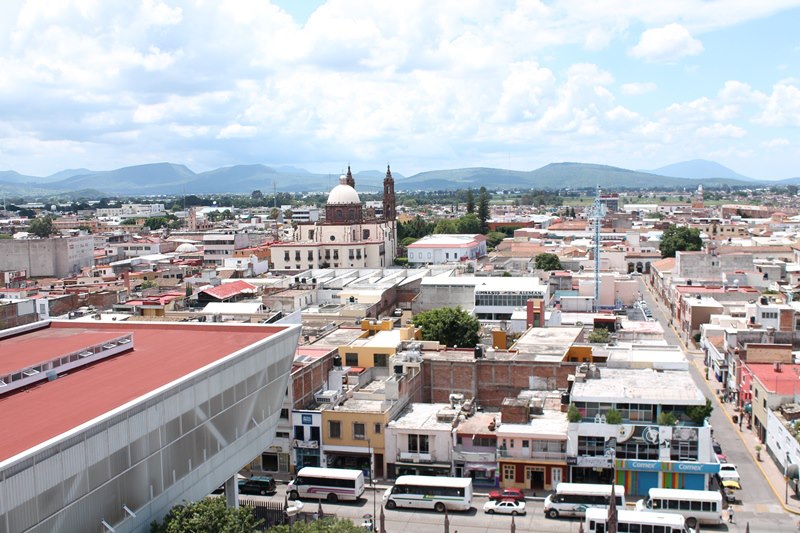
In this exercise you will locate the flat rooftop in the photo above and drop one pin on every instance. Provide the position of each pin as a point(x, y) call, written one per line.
point(550, 425)
point(550, 342)
point(423, 416)
point(632, 385)
point(162, 354)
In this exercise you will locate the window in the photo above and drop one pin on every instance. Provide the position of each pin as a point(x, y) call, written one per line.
point(335, 429)
point(487, 442)
point(311, 255)
point(285, 413)
point(286, 255)
point(508, 472)
point(351, 359)
point(299, 433)
point(365, 234)
point(377, 428)
point(380, 360)
point(297, 255)
point(524, 443)
point(315, 433)
point(359, 431)
point(418, 443)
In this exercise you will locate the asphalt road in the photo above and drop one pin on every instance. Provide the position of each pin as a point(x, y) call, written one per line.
point(476, 521)
point(759, 505)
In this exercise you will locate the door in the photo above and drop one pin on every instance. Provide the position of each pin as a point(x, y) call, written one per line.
point(555, 473)
point(534, 477)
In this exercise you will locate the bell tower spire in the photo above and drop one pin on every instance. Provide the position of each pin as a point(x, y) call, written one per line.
point(389, 205)
point(350, 181)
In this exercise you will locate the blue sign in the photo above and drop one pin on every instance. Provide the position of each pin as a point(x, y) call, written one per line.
point(306, 419)
point(683, 467)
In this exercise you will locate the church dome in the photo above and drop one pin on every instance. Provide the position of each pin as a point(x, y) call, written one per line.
point(343, 194)
point(186, 248)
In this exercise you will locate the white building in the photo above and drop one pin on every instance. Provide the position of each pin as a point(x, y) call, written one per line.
point(219, 245)
point(350, 236)
point(116, 442)
point(646, 449)
point(420, 440)
point(440, 249)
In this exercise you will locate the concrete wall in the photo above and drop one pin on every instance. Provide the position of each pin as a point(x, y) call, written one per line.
point(54, 257)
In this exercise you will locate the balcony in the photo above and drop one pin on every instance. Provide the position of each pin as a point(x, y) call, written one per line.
point(525, 453)
point(470, 456)
point(413, 457)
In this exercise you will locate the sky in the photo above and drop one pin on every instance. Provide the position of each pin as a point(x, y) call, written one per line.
point(421, 85)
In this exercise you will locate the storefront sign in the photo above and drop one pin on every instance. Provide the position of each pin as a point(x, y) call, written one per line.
point(599, 461)
point(668, 466)
point(306, 419)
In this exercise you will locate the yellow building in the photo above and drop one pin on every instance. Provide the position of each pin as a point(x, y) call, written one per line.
point(376, 350)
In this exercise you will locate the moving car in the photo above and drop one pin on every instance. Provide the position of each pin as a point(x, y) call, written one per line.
point(511, 507)
point(728, 471)
point(258, 485)
point(507, 494)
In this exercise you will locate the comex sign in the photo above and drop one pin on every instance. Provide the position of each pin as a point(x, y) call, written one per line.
point(668, 466)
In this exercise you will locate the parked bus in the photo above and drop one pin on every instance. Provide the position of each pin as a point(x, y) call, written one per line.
point(696, 506)
point(573, 499)
point(332, 484)
point(596, 521)
point(430, 492)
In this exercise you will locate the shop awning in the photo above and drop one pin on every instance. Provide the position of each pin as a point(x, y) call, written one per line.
point(485, 467)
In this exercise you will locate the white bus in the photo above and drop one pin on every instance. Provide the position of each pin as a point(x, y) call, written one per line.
point(430, 492)
point(696, 506)
point(332, 484)
point(573, 499)
point(596, 521)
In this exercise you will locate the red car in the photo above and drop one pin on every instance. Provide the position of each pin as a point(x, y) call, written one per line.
point(507, 494)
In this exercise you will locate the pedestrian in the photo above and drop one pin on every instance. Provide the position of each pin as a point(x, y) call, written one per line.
point(730, 514)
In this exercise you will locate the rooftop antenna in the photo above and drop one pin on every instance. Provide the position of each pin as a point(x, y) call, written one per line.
point(596, 215)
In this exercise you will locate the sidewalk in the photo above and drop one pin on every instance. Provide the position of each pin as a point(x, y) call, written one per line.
point(769, 469)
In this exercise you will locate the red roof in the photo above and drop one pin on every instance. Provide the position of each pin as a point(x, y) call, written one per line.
point(229, 290)
point(162, 353)
point(783, 382)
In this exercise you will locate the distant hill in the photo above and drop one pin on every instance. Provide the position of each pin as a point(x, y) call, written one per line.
point(169, 178)
point(699, 169)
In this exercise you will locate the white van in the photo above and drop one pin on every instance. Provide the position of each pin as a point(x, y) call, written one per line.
point(572, 499)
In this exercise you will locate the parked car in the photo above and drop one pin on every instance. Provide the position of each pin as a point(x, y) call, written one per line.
point(718, 450)
point(512, 507)
point(728, 471)
point(507, 494)
point(258, 485)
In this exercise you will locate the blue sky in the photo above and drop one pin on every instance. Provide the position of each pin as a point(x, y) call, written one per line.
point(421, 85)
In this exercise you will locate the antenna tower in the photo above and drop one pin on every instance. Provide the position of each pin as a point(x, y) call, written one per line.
point(596, 215)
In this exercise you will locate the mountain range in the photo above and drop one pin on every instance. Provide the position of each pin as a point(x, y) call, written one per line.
point(173, 179)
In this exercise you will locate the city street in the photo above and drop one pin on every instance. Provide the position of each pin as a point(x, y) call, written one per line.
point(476, 521)
point(758, 502)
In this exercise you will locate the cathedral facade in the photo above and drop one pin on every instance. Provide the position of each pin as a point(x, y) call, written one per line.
point(349, 237)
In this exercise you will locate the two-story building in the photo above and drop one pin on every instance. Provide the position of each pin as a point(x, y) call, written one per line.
point(641, 428)
point(420, 440)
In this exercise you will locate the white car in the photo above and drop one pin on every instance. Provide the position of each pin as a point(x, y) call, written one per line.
point(728, 471)
point(504, 506)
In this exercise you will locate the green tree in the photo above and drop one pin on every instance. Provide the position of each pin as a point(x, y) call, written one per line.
point(665, 418)
point(408, 241)
point(573, 414)
point(42, 227)
point(483, 210)
point(698, 413)
point(493, 238)
point(468, 224)
point(613, 417)
point(679, 239)
point(326, 525)
point(547, 262)
point(256, 195)
point(451, 326)
point(470, 202)
point(209, 515)
point(599, 336)
point(446, 225)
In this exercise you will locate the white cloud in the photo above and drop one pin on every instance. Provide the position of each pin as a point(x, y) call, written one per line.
point(668, 43)
point(775, 143)
point(782, 107)
point(721, 130)
point(638, 88)
point(237, 131)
